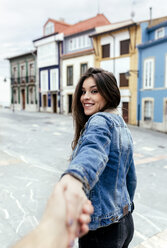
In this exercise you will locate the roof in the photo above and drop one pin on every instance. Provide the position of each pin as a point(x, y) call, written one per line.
point(33, 52)
point(59, 26)
point(113, 27)
point(155, 22)
point(91, 23)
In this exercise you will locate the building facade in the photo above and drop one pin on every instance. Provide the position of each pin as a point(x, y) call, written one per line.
point(49, 49)
point(115, 51)
point(78, 55)
point(152, 82)
point(24, 86)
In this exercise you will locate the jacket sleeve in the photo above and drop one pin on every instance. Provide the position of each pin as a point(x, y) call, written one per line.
point(92, 153)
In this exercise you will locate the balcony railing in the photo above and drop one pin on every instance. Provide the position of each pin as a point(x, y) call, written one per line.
point(31, 79)
point(23, 80)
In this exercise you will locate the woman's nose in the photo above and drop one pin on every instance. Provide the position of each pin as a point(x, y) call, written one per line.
point(86, 95)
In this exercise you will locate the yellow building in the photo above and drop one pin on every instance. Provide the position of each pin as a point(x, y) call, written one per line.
point(116, 51)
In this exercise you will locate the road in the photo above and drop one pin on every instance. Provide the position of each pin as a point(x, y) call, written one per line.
point(35, 149)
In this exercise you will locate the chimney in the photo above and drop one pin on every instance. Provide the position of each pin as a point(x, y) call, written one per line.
point(150, 15)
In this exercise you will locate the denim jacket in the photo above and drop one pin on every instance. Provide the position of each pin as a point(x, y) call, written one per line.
point(103, 162)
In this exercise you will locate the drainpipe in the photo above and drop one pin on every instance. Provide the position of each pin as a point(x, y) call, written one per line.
point(113, 53)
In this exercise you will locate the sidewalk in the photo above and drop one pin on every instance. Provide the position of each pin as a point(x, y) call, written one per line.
point(157, 241)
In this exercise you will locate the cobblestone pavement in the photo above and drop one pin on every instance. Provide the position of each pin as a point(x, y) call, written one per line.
point(34, 151)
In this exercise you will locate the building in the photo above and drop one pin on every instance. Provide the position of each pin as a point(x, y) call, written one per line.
point(78, 55)
point(49, 49)
point(115, 51)
point(24, 86)
point(152, 81)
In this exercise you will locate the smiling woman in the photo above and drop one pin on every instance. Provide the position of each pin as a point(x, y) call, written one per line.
point(102, 161)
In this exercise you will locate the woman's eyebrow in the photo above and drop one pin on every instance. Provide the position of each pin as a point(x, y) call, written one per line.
point(90, 87)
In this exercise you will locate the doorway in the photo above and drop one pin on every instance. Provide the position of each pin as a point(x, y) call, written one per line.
point(54, 97)
point(23, 98)
point(69, 103)
point(125, 111)
point(44, 101)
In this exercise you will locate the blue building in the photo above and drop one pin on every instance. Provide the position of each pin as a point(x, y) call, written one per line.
point(152, 80)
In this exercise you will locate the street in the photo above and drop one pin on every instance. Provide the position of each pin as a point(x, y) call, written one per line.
point(35, 149)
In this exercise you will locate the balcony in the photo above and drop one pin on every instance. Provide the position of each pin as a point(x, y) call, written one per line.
point(31, 79)
point(15, 80)
point(23, 80)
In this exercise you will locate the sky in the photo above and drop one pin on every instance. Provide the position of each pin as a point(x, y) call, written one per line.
point(21, 21)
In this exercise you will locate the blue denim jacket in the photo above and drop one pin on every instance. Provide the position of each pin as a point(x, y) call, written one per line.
point(103, 161)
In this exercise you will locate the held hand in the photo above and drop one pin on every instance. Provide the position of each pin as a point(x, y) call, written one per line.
point(78, 207)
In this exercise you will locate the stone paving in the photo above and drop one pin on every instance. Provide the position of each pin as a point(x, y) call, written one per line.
point(157, 241)
point(34, 151)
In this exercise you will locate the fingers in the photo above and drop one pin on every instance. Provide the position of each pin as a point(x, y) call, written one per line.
point(88, 208)
point(83, 230)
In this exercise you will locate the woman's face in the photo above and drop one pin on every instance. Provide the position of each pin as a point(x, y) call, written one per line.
point(92, 101)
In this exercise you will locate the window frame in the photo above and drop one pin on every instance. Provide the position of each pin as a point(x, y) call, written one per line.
point(148, 73)
point(158, 32)
point(83, 64)
point(69, 82)
point(105, 48)
point(124, 51)
point(126, 82)
point(150, 111)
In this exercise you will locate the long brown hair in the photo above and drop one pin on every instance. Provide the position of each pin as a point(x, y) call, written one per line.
point(107, 86)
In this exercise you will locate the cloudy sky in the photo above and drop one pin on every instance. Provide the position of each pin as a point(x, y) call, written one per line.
point(21, 21)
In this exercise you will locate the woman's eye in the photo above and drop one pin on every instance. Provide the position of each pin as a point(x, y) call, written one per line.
point(83, 92)
point(94, 91)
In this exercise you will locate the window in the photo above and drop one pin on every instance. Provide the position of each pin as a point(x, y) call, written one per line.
point(148, 73)
point(124, 46)
point(14, 72)
point(49, 29)
point(70, 75)
point(44, 80)
point(159, 33)
point(15, 96)
point(31, 96)
point(31, 69)
point(54, 79)
point(124, 82)
point(106, 51)
point(79, 42)
point(23, 71)
point(83, 68)
point(148, 108)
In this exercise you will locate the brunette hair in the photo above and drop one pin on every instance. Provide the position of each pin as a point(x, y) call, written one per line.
point(107, 86)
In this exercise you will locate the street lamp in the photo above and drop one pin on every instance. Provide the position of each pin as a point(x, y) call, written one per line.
point(128, 73)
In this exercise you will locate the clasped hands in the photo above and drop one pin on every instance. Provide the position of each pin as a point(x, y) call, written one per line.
point(66, 217)
point(68, 208)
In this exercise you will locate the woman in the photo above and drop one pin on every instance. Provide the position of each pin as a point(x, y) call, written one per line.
point(102, 161)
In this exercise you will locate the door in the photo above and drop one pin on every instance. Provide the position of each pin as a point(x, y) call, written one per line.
point(54, 97)
point(125, 111)
point(69, 103)
point(44, 101)
point(23, 98)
